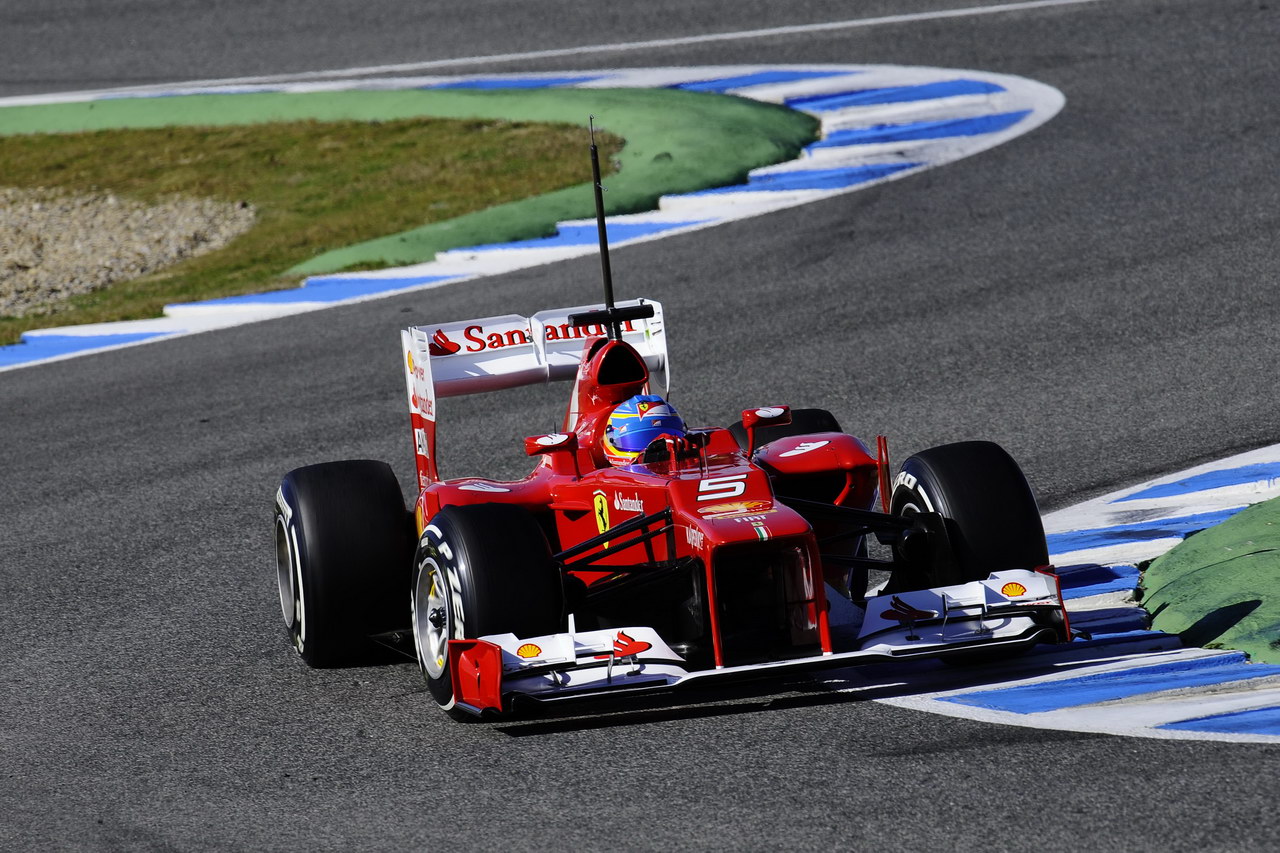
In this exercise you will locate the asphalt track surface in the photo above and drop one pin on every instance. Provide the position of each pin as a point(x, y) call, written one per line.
point(1097, 296)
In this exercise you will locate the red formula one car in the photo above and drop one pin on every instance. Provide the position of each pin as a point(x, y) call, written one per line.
point(640, 555)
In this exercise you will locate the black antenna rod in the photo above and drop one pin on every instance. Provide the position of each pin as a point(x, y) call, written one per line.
point(611, 318)
point(615, 328)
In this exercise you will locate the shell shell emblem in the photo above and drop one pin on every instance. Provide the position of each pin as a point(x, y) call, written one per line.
point(732, 508)
point(1013, 589)
point(528, 650)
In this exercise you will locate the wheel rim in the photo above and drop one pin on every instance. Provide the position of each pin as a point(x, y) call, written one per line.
point(432, 618)
point(285, 573)
point(909, 507)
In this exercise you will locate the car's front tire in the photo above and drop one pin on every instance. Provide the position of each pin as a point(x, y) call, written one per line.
point(480, 570)
point(991, 516)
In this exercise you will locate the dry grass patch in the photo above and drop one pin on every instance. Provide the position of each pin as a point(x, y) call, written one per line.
point(315, 186)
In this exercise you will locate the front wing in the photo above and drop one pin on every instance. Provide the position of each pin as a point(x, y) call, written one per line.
point(1009, 612)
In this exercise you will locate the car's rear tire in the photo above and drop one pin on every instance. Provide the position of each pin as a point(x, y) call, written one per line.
point(344, 551)
point(992, 520)
point(481, 569)
point(803, 422)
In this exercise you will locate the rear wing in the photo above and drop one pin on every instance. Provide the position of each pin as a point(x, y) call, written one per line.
point(489, 354)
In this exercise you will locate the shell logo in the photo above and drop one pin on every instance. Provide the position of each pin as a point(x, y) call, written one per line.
point(528, 650)
point(734, 508)
point(410, 359)
point(1013, 589)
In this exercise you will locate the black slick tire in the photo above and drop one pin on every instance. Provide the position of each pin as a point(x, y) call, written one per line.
point(990, 513)
point(480, 570)
point(344, 552)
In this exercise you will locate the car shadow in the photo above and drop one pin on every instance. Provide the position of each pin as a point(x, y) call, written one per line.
point(836, 687)
point(608, 714)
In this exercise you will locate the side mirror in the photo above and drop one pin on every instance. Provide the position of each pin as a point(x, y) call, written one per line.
point(536, 445)
point(765, 416)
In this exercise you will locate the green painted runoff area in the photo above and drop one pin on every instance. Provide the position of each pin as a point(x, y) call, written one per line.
point(676, 142)
point(1216, 588)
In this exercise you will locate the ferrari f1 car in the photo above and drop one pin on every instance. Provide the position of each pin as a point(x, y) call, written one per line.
point(618, 567)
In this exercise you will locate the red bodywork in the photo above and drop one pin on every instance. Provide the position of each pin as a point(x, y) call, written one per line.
point(722, 503)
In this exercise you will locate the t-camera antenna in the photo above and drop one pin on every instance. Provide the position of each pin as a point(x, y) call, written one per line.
point(611, 317)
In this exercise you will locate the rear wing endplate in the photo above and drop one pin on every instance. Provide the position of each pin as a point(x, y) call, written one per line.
point(489, 354)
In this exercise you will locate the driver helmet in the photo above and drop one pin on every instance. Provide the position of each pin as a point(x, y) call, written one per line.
point(635, 423)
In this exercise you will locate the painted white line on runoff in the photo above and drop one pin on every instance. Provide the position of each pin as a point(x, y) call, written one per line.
point(1127, 680)
point(879, 123)
point(615, 47)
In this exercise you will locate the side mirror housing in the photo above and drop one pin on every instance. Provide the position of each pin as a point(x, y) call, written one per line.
point(763, 417)
point(536, 445)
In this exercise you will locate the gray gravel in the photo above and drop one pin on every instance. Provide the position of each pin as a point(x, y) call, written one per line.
point(55, 245)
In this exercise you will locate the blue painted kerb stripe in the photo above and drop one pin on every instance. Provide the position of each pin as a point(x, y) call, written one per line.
point(1260, 472)
point(893, 95)
point(1146, 531)
point(812, 179)
point(760, 78)
point(321, 289)
point(40, 347)
point(1256, 721)
point(587, 235)
point(1107, 686)
point(922, 130)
